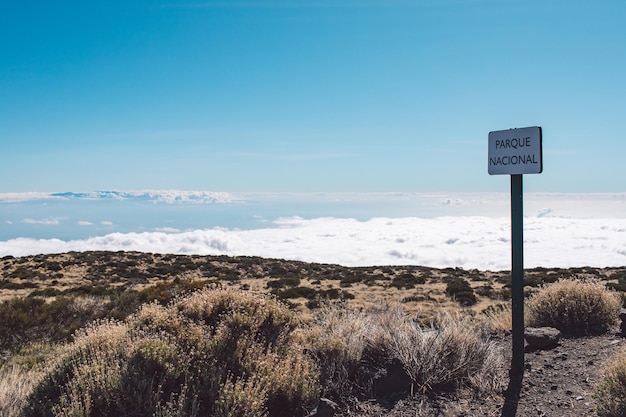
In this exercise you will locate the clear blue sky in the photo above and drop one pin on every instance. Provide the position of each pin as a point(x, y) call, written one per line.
point(322, 95)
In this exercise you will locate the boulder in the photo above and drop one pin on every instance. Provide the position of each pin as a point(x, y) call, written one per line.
point(542, 337)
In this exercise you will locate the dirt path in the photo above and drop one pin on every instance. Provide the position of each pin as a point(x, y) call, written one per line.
point(560, 382)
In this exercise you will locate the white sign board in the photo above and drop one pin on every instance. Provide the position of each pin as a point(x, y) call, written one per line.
point(515, 151)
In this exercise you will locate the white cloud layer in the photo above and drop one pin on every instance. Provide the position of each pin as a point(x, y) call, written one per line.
point(468, 242)
point(49, 221)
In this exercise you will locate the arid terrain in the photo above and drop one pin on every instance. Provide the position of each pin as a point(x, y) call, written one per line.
point(556, 382)
point(420, 289)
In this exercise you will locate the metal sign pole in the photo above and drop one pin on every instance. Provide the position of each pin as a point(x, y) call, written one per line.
point(517, 273)
point(516, 152)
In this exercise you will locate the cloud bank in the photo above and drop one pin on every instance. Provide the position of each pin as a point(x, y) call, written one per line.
point(467, 242)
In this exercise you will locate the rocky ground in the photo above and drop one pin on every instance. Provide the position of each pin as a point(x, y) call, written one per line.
point(556, 383)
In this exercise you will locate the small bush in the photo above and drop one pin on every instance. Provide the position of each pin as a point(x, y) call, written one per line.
point(484, 290)
point(610, 393)
point(349, 279)
point(619, 286)
point(461, 290)
point(407, 280)
point(574, 306)
point(289, 281)
point(9, 285)
point(296, 292)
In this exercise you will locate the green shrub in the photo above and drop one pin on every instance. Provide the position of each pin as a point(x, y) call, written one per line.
point(619, 286)
point(37, 319)
point(538, 279)
point(289, 281)
point(461, 290)
point(22, 272)
point(350, 278)
point(10, 285)
point(407, 280)
point(610, 393)
point(45, 293)
point(485, 290)
point(296, 292)
point(23, 320)
point(574, 306)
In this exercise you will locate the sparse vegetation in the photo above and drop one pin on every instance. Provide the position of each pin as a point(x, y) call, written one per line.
point(574, 306)
point(170, 335)
point(610, 393)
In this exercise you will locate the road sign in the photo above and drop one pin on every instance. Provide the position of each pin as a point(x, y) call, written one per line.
point(515, 151)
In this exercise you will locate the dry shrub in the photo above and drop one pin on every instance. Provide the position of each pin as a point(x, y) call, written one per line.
point(610, 393)
point(450, 355)
point(219, 353)
point(86, 374)
point(338, 342)
point(574, 306)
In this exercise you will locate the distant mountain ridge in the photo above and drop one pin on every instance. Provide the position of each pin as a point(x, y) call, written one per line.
point(157, 196)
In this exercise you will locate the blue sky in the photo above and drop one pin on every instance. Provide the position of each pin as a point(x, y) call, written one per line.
point(359, 96)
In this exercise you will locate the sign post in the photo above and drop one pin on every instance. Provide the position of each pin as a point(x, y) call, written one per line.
point(516, 152)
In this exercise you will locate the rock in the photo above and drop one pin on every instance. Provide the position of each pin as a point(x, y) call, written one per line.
point(542, 337)
point(392, 381)
point(325, 408)
point(622, 316)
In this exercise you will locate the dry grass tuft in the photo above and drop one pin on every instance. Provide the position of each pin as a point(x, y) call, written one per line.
point(498, 318)
point(574, 306)
point(610, 393)
point(450, 355)
point(16, 383)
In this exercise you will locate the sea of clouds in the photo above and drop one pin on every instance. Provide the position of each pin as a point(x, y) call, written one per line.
point(559, 231)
